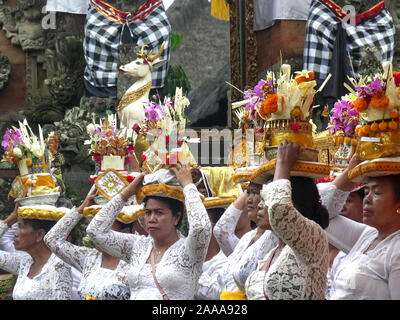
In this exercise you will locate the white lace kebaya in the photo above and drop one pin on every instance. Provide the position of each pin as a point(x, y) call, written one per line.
point(54, 282)
point(97, 282)
point(224, 229)
point(364, 275)
point(242, 269)
point(244, 253)
point(181, 265)
point(299, 271)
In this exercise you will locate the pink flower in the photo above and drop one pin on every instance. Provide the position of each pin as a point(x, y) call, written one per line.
point(343, 118)
point(257, 89)
point(6, 139)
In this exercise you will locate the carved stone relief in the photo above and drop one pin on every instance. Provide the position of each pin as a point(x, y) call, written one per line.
point(394, 8)
point(5, 70)
point(244, 72)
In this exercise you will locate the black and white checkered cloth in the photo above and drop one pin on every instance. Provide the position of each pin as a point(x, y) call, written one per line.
point(103, 37)
point(321, 30)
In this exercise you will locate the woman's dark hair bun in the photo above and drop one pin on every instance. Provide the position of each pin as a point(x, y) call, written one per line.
point(321, 215)
point(306, 199)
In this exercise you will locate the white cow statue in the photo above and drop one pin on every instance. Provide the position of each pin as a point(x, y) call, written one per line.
point(131, 107)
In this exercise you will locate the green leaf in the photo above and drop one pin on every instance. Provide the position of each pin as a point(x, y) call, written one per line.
point(176, 39)
point(176, 77)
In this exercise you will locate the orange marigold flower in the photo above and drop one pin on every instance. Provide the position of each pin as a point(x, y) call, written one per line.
point(269, 106)
point(374, 127)
point(393, 125)
point(360, 105)
point(366, 130)
point(339, 139)
point(304, 76)
point(383, 126)
point(28, 162)
point(394, 114)
point(379, 100)
point(354, 142)
point(347, 140)
point(296, 112)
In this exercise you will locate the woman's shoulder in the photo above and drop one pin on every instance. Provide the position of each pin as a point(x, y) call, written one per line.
point(393, 242)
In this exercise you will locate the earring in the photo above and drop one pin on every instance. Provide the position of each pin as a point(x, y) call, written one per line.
point(398, 211)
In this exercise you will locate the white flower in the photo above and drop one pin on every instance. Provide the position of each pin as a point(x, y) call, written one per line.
point(351, 97)
point(90, 128)
point(17, 152)
point(37, 150)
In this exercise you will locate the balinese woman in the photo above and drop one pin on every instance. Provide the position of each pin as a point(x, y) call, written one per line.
point(164, 264)
point(103, 276)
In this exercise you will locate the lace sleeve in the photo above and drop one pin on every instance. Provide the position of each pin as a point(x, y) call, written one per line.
point(56, 241)
point(9, 261)
point(306, 238)
point(7, 240)
point(224, 230)
point(199, 225)
point(332, 198)
point(117, 244)
point(63, 281)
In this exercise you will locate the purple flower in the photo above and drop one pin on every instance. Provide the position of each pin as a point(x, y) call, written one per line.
point(376, 85)
point(370, 89)
point(254, 99)
point(343, 118)
point(163, 112)
point(6, 138)
point(170, 103)
point(248, 94)
point(151, 111)
point(258, 89)
point(11, 139)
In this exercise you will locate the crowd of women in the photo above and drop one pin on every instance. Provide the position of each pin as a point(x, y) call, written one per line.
point(288, 238)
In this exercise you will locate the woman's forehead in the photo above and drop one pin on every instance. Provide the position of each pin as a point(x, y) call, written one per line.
point(378, 181)
point(155, 204)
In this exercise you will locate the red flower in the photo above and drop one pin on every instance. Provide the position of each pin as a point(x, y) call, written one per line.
point(96, 157)
point(92, 178)
point(295, 126)
point(136, 128)
point(143, 158)
point(180, 143)
point(129, 149)
point(396, 76)
point(130, 178)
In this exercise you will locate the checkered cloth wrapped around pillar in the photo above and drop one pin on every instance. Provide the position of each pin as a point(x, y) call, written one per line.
point(377, 30)
point(103, 32)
